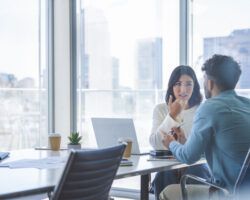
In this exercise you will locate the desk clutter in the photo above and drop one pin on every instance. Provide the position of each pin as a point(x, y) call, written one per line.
point(161, 154)
point(4, 155)
point(126, 162)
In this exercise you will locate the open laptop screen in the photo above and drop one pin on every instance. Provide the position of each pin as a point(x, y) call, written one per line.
point(109, 130)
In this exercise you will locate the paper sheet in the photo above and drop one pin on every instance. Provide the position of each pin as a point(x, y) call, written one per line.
point(45, 163)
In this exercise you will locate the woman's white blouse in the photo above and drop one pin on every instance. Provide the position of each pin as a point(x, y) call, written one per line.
point(162, 121)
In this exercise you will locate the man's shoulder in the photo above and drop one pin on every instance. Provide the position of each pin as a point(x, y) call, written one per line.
point(208, 108)
point(244, 99)
point(209, 104)
point(217, 103)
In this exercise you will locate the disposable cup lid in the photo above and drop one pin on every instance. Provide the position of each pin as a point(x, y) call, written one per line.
point(54, 135)
point(124, 140)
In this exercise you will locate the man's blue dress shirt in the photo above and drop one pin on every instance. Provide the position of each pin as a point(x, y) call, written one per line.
point(221, 130)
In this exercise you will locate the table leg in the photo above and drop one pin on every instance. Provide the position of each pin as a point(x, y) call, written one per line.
point(145, 187)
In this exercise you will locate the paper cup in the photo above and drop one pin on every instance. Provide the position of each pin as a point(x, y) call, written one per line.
point(128, 141)
point(55, 141)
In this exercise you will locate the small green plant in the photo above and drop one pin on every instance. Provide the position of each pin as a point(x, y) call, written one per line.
point(74, 138)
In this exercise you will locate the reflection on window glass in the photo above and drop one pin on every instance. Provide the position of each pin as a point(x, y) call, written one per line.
point(223, 31)
point(126, 52)
point(23, 74)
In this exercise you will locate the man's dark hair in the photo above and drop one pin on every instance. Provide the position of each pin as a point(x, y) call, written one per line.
point(196, 97)
point(223, 70)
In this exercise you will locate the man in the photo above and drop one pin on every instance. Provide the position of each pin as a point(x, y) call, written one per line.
point(221, 128)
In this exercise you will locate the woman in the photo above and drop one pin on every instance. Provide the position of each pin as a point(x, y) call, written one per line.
point(182, 99)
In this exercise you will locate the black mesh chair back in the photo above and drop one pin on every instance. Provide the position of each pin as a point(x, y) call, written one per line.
point(88, 175)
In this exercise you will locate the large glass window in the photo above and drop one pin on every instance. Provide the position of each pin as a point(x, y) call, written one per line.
point(126, 52)
point(222, 27)
point(23, 73)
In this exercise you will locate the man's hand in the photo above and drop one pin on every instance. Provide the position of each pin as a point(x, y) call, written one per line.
point(180, 136)
point(167, 138)
point(176, 107)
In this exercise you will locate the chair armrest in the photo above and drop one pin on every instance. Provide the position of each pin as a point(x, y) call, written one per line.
point(184, 179)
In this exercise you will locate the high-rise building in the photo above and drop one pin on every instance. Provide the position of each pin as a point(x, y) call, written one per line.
point(149, 63)
point(149, 72)
point(96, 63)
point(85, 71)
point(115, 73)
point(96, 41)
point(237, 45)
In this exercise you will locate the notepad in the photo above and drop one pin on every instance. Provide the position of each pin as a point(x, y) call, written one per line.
point(161, 153)
point(4, 155)
point(160, 158)
point(126, 162)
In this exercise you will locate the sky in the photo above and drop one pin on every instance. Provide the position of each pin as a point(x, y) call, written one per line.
point(19, 37)
point(131, 21)
point(213, 18)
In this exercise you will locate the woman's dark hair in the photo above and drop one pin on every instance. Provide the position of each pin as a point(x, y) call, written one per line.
point(196, 96)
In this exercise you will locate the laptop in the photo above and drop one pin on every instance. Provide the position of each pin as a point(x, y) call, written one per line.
point(109, 130)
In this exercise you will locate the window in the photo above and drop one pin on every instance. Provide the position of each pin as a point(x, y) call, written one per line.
point(224, 28)
point(23, 74)
point(126, 52)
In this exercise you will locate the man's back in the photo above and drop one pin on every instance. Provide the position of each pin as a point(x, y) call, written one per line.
point(227, 131)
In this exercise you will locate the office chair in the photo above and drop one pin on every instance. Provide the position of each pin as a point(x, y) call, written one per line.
point(88, 175)
point(222, 191)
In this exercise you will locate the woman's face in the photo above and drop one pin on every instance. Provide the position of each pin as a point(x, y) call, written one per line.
point(183, 88)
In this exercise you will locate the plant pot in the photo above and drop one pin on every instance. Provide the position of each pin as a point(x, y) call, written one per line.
point(74, 146)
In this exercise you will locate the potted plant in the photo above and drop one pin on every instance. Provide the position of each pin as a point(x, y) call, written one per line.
point(74, 140)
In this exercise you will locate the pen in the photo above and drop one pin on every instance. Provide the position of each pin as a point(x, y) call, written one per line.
point(171, 132)
point(180, 125)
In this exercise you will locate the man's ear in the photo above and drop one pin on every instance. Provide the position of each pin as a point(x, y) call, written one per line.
point(210, 85)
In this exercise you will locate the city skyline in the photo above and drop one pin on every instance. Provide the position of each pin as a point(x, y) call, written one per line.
point(25, 51)
point(237, 45)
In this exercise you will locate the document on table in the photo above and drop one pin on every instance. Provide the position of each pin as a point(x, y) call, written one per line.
point(161, 158)
point(126, 162)
point(44, 163)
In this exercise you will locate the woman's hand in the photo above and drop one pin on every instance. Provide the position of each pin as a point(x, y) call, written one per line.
point(175, 134)
point(167, 138)
point(179, 134)
point(176, 107)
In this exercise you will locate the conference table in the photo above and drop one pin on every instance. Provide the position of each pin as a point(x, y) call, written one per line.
point(18, 182)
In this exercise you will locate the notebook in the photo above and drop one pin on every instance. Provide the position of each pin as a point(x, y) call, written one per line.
point(109, 130)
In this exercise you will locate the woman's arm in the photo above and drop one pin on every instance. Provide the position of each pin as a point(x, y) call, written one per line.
point(162, 121)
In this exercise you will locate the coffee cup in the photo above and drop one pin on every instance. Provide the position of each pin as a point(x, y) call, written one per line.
point(55, 141)
point(128, 141)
